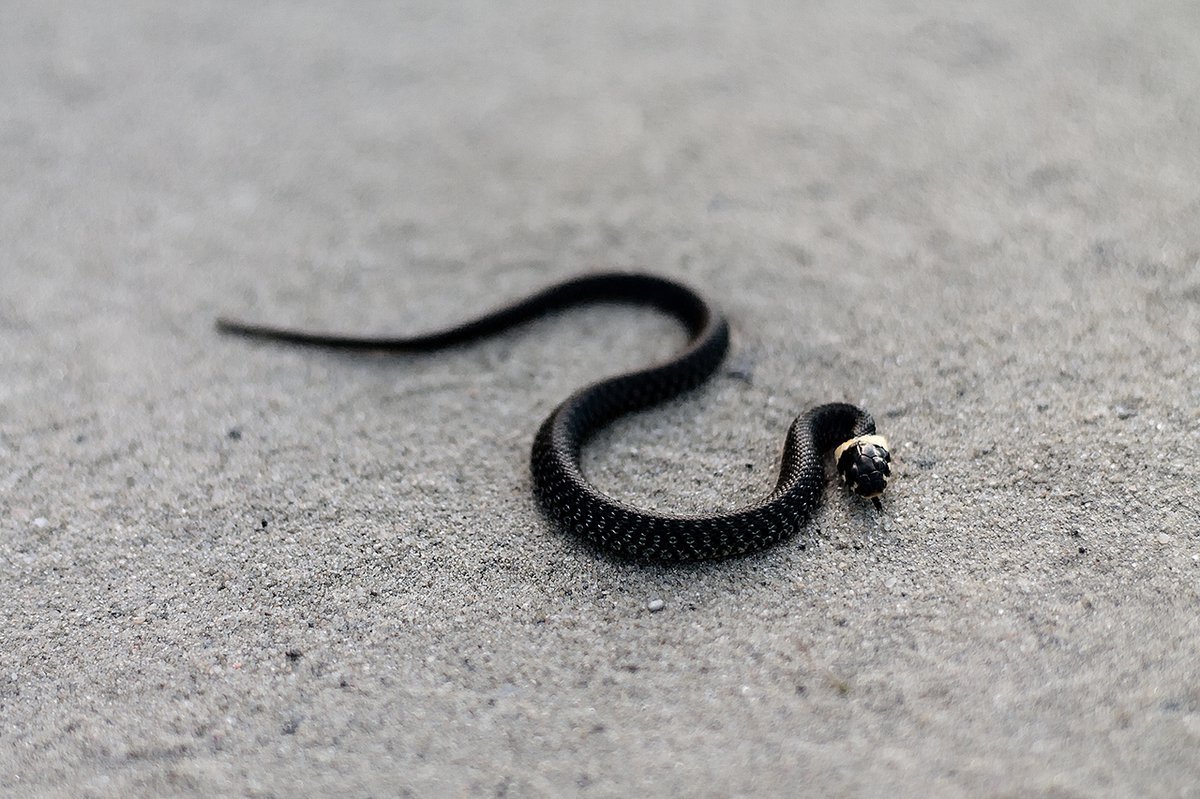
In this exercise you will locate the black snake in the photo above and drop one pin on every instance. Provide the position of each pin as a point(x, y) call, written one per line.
point(861, 456)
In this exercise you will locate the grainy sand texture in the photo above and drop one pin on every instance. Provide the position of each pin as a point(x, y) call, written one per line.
point(239, 568)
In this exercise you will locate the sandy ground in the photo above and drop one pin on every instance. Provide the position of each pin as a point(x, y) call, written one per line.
point(231, 568)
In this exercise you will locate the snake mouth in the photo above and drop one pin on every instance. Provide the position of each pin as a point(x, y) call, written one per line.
point(864, 464)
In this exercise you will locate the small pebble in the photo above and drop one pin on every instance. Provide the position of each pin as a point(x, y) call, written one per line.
point(655, 605)
point(1164, 538)
point(741, 368)
point(889, 582)
point(234, 434)
point(40, 522)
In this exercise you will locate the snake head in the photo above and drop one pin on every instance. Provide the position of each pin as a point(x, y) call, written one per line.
point(863, 463)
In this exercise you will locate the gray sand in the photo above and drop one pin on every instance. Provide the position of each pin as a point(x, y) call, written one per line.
point(238, 568)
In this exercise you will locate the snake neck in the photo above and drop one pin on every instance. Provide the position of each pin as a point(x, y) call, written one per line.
point(815, 433)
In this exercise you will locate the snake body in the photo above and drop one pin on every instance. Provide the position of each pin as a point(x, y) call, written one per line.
point(616, 526)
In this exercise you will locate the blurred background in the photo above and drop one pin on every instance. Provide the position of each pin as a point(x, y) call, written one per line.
point(231, 567)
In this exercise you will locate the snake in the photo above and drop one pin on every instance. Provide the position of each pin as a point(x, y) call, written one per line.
point(842, 430)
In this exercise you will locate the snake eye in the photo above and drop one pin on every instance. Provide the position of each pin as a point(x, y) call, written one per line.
point(864, 463)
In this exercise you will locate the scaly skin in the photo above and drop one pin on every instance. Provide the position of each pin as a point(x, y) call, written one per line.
point(618, 527)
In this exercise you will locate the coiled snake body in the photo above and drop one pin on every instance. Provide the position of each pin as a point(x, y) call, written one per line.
point(861, 456)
